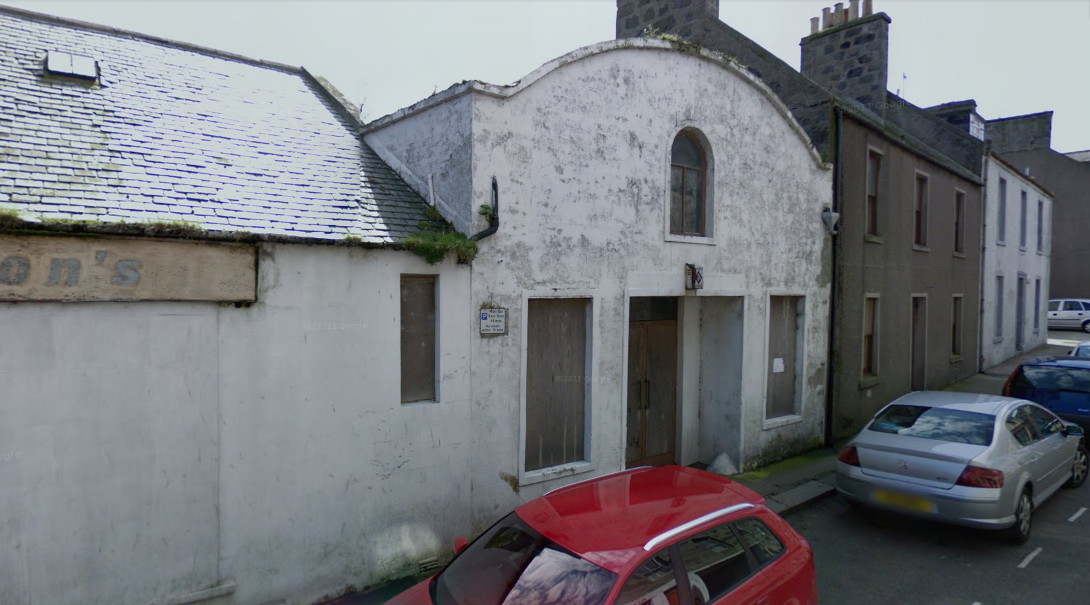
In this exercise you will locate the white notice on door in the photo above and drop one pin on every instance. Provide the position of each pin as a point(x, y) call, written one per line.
point(777, 365)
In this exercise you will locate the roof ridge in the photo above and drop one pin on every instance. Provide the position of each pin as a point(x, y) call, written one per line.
point(116, 31)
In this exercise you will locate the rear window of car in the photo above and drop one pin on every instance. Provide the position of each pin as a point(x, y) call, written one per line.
point(942, 424)
point(1056, 378)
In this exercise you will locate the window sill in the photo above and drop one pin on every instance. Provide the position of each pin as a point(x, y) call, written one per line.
point(996, 341)
point(781, 421)
point(409, 404)
point(555, 472)
point(690, 239)
point(874, 239)
point(921, 248)
point(867, 382)
point(956, 359)
point(959, 254)
point(1001, 243)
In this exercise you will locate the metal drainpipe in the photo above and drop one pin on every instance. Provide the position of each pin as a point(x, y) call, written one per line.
point(494, 220)
point(830, 381)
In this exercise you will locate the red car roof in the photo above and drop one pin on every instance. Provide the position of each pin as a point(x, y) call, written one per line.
point(609, 519)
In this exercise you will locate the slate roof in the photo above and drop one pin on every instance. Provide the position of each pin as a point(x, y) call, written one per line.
point(175, 132)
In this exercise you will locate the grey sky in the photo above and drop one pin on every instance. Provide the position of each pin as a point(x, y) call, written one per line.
point(1012, 57)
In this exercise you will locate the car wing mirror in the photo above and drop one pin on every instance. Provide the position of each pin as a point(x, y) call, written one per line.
point(460, 544)
point(1074, 430)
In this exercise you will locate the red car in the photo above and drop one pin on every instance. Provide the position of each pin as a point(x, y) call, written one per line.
point(645, 536)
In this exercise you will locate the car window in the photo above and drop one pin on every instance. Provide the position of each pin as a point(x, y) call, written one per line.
point(1081, 351)
point(513, 563)
point(1053, 305)
point(943, 424)
point(1072, 305)
point(1046, 423)
point(759, 539)
point(1056, 378)
point(652, 582)
point(1086, 305)
point(1020, 425)
point(715, 562)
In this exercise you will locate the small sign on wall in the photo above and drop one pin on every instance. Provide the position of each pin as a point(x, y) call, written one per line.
point(694, 277)
point(493, 321)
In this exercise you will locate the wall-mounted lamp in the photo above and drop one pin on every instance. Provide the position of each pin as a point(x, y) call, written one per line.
point(830, 219)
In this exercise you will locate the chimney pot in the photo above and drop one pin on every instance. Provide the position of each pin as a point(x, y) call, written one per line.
point(868, 8)
point(826, 18)
point(838, 13)
point(814, 25)
point(853, 10)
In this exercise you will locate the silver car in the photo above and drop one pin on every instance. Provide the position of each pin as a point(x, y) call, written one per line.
point(1080, 350)
point(964, 458)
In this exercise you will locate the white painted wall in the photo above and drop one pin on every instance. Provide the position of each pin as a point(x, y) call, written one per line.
point(159, 449)
point(581, 150)
point(1011, 260)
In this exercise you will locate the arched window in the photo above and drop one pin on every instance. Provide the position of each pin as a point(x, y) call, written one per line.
point(688, 185)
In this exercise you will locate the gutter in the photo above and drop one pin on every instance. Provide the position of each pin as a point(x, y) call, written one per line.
point(494, 218)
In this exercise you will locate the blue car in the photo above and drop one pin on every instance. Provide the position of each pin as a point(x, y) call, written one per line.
point(1061, 384)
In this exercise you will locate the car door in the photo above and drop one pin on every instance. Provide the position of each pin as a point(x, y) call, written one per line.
point(1072, 314)
point(1054, 313)
point(1029, 457)
point(722, 570)
point(1055, 449)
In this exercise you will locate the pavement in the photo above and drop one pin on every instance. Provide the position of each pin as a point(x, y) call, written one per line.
point(797, 481)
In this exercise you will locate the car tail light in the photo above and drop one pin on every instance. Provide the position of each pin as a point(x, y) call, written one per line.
point(849, 455)
point(1010, 382)
point(978, 476)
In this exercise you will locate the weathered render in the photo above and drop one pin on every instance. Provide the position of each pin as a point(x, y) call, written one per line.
point(218, 419)
point(1025, 142)
point(580, 154)
point(841, 99)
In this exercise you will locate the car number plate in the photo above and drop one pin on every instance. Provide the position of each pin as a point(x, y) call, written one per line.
point(906, 501)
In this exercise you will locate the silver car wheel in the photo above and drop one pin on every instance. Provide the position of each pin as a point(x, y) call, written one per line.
point(1079, 468)
point(1023, 519)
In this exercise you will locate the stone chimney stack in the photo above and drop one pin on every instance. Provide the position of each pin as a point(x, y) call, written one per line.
point(686, 19)
point(849, 54)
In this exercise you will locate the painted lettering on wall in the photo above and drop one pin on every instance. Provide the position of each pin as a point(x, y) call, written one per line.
point(15, 270)
point(69, 269)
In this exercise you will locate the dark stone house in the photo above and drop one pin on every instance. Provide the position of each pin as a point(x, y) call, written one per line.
point(906, 185)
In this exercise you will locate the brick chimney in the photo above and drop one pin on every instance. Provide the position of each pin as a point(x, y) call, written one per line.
point(847, 53)
point(686, 18)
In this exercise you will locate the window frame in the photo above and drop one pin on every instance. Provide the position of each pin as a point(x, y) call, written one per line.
point(1023, 226)
point(870, 363)
point(959, 222)
point(872, 200)
point(921, 201)
point(957, 327)
point(1040, 226)
point(997, 336)
point(431, 396)
point(1001, 214)
point(706, 236)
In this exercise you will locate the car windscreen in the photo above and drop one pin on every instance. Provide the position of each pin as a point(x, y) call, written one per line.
point(1055, 378)
point(943, 424)
point(512, 564)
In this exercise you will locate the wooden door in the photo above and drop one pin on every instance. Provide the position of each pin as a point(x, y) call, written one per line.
point(652, 392)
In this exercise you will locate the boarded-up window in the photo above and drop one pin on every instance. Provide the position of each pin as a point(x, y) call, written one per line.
point(1001, 213)
point(417, 338)
point(556, 381)
point(870, 336)
point(784, 345)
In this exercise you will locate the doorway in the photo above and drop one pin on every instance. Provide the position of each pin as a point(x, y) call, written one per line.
point(1020, 313)
point(652, 381)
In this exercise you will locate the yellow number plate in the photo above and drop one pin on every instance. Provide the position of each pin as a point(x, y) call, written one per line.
point(904, 501)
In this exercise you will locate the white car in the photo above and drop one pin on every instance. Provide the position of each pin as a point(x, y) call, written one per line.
point(1069, 313)
point(1081, 350)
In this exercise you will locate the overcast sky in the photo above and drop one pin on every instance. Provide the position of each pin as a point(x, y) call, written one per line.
point(1012, 57)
